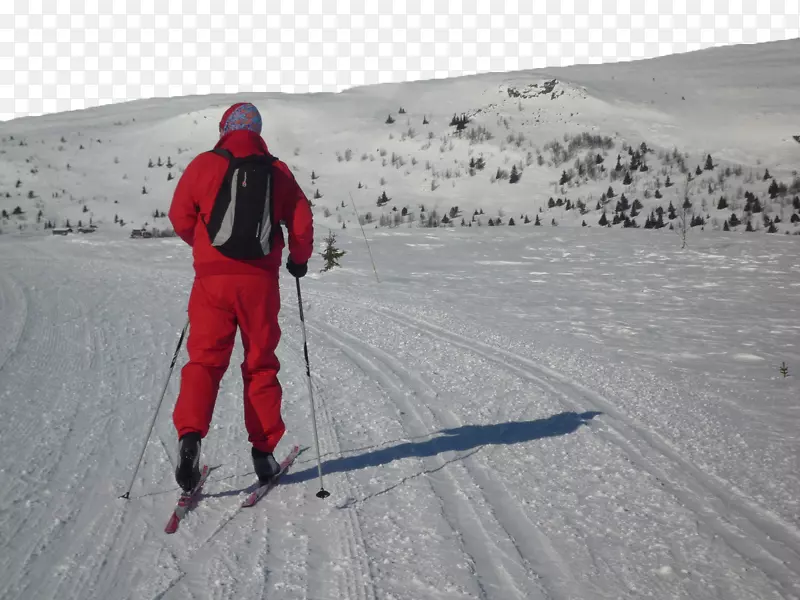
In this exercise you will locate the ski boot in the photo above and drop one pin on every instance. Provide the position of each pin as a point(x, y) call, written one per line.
point(265, 465)
point(188, 472)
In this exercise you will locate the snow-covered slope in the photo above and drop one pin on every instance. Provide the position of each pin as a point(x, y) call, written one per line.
point(738, 104)
point(504, 413)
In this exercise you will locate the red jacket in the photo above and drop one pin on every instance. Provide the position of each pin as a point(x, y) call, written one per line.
point(194, 198)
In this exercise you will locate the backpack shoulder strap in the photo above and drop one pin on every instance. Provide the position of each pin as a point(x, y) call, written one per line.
point(223, 153)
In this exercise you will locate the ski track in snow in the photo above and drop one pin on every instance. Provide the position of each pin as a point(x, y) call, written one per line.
point(461, 500)
point(759, 536)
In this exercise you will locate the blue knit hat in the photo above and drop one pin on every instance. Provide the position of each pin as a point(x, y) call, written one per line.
point(242, 116)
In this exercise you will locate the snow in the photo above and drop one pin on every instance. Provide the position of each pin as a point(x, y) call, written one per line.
point(505, 412)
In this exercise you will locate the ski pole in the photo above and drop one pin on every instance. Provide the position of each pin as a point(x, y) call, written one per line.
point(322, 493)
point(127, 494)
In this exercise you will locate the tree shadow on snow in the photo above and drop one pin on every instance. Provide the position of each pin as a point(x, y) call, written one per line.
point(461, 439)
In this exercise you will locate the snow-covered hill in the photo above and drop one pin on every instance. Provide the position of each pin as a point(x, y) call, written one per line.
point(581, 136)
point(504, 412)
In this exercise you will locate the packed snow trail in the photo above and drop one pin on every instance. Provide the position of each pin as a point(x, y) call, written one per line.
point(470, 453)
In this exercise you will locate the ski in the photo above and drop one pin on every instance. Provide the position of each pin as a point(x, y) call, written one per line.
point(185, 503)
point(259, 492)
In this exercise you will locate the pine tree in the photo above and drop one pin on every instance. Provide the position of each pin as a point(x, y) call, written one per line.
point(723, 203)
point(627, 180)
point(169, 162)
point(766, 174)
point(564, 178)
point(144, 190)
point(709, 163)
point(603, 220)
point(515, 176)
point(749, 225)
point(331, 254)
point(734, 220)
point(668, 182)
point(773, 189)
point(538, 223)
point(511, 222)
point(527, 219)
point(658, 194)
point(672, 212)
point(796, 203)
point(698, 170)
point(160, 162)
point(725, 227)
point(389, 120)
point(170, 177)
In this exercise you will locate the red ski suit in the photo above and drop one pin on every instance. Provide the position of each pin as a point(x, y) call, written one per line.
point(227, 293)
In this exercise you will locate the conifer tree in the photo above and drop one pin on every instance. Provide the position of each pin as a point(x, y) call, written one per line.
point(331, 254)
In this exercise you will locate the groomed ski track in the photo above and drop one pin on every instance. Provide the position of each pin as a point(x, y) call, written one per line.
point(460, 465)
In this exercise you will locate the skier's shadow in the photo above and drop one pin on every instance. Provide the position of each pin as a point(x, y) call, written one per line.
point(461, 439)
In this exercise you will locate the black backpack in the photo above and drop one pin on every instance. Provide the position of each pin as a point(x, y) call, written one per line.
point(242, 224)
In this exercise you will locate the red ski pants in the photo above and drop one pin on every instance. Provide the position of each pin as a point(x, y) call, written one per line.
point(217, 306)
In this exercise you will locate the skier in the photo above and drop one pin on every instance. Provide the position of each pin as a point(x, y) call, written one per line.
point(237, 243)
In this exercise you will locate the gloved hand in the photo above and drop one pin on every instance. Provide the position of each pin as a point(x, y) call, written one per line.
point(295, 269)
